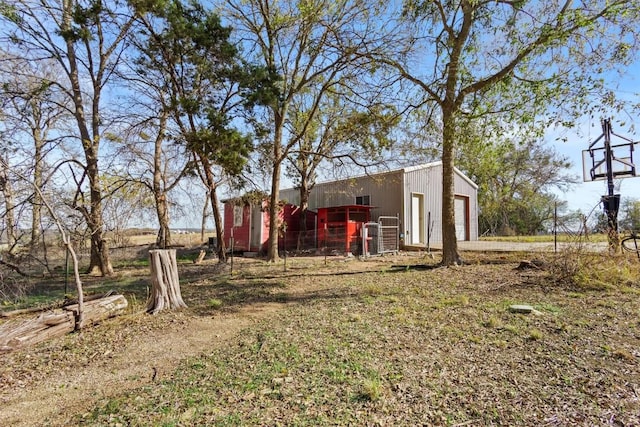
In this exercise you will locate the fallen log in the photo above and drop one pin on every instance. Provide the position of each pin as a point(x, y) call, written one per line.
point(41, 334)
point(23, 311)
point(17, 334)
point(70, 301)
point(100, 309)
point(14, 335)
point(67, 301)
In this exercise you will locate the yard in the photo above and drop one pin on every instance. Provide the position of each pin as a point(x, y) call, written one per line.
point(386, 341)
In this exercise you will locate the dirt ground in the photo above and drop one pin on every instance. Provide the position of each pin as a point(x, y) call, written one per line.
point(45, 384)
point(57, 382)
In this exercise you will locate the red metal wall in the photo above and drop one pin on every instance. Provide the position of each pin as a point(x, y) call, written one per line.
point(242, 234)
point(340, 226)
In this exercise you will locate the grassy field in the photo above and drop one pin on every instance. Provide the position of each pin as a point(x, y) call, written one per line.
point(389, 341)
point(562, 237)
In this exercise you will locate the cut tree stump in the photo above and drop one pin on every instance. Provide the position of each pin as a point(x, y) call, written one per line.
point(17, 334)
point(165, 283)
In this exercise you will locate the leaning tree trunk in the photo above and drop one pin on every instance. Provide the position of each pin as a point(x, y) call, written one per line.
point(217, 219)
point(211, 184)
point(205, 214)
point(165, 283)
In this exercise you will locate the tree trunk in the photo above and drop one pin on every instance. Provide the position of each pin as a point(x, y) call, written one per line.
point(210, 182)
point(159, 189)
point(274, 213)
point(217, 219)
point(162, 210)
point(10, 222)
point(304, 206)
point(450, 254)
point(36, 205)
point(205, 214)
point(165, 283)
point(274, 205)
point(99, 262)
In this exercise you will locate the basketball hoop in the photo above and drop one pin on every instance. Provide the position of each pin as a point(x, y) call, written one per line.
point(594, 162)
point(609, 162)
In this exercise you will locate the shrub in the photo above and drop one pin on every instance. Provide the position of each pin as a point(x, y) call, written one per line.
point(594, 271)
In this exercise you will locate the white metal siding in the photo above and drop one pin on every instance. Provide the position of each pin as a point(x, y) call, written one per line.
point(464, 187)
point(428, 180)
point(390, 194)
point(383, 189)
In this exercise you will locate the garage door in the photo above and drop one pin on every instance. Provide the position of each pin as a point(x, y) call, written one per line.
point(461, 217)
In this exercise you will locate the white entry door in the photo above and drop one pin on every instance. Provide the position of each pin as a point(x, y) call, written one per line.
point(417, 219)
point(461, 218)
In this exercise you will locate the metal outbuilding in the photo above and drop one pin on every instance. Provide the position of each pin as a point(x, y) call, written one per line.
point(413, 194)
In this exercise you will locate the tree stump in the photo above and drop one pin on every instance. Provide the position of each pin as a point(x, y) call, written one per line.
point(165, 284)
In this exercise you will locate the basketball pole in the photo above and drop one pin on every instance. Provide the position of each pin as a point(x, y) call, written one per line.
point(614, 167)
point(611, 201)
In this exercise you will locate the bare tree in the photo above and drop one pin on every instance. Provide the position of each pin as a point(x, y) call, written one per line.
point(86, 40)
point(66, 240)
point(6, 187)
point(150, 157)
point(188, 50)
point(310, 47)
point(343, 134)
point(481, 57)
point(128, 205)
point(35, 112)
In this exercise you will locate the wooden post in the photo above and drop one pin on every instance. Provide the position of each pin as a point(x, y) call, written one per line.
point(165, 284)
point(200, 258)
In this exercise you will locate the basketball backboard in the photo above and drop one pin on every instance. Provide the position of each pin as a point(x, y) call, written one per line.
point(623, 164)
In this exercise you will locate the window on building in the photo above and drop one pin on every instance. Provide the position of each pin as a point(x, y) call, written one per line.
point(237, 216)
point(363, 200)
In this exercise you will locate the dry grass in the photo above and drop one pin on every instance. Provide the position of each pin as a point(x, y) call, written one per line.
point(362, 343)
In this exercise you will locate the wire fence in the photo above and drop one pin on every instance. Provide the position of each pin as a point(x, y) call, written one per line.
point(359, 239)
